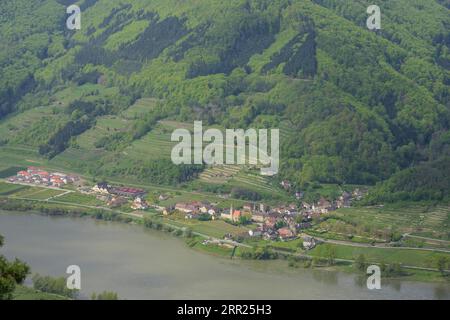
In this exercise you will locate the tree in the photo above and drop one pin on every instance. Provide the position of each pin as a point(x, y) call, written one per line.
point(11, 274)
point(105, 295)
point(360, 262)
point(187, 232)
point(53, 285)
point(330, 254)
point(243, 220)
point(442, 263)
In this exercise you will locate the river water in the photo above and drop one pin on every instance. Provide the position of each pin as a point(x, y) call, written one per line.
point(147, 264)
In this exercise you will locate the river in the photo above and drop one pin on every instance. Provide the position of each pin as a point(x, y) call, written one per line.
point(147, 264)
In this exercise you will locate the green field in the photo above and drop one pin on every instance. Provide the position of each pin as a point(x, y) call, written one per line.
point(42, 194)
point(139, 108)
point(9, 188)
point(78, 198)
point(407, 257)
point(214, 250)
point(30, 191)
point(26, 293)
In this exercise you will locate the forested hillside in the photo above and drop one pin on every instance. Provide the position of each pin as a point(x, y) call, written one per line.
point(357, 106)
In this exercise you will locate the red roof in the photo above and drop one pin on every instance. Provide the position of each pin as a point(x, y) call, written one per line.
point(285, 232)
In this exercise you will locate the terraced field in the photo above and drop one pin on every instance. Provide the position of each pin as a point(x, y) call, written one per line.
point(236, 176)
point(77, 158)
point(139, 108)
point(219, 174)
point(104, 127)
point(25, 128)
point(154, 145)
point(417, 219)
point(66, 96)
point(253, 181)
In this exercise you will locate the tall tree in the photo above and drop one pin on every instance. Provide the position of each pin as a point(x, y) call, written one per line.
point(11, 274)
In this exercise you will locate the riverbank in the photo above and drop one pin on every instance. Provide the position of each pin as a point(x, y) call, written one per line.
point(142, 263)
point(317, 258)
point(27, 293)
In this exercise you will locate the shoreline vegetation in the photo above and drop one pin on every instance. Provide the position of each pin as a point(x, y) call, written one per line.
point(326, 256)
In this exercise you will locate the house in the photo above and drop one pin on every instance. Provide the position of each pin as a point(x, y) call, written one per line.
point(139, 204)
point(269, 235)
point(117, 201)
point(270, 222)
point(309, 242)
point(237, 214)
point(279, 210)
point(286, 233)
point(304, 225)
point(263, 208)
point(358, 194)
point(102, 188)
point(291, 210)
point(167, 210)
point(344, 200)
point(23, 174)
point(162, 197)
point(226, 215)
point(128, 192)
point(233, 215)
point(306, 206)
point(183, 207)
point(255, 233)
point(258, 217)
point(323, 206)
point(192, 207)
point(248, 207)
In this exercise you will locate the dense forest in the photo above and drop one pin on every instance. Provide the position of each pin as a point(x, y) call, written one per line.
point(357, 106)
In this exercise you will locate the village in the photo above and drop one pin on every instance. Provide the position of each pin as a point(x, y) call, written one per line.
point(276, 223)
point(272, 223)
point(40, 177)
point(283, 222)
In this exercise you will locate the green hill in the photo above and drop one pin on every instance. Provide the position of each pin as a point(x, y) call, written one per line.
point(354, 106)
